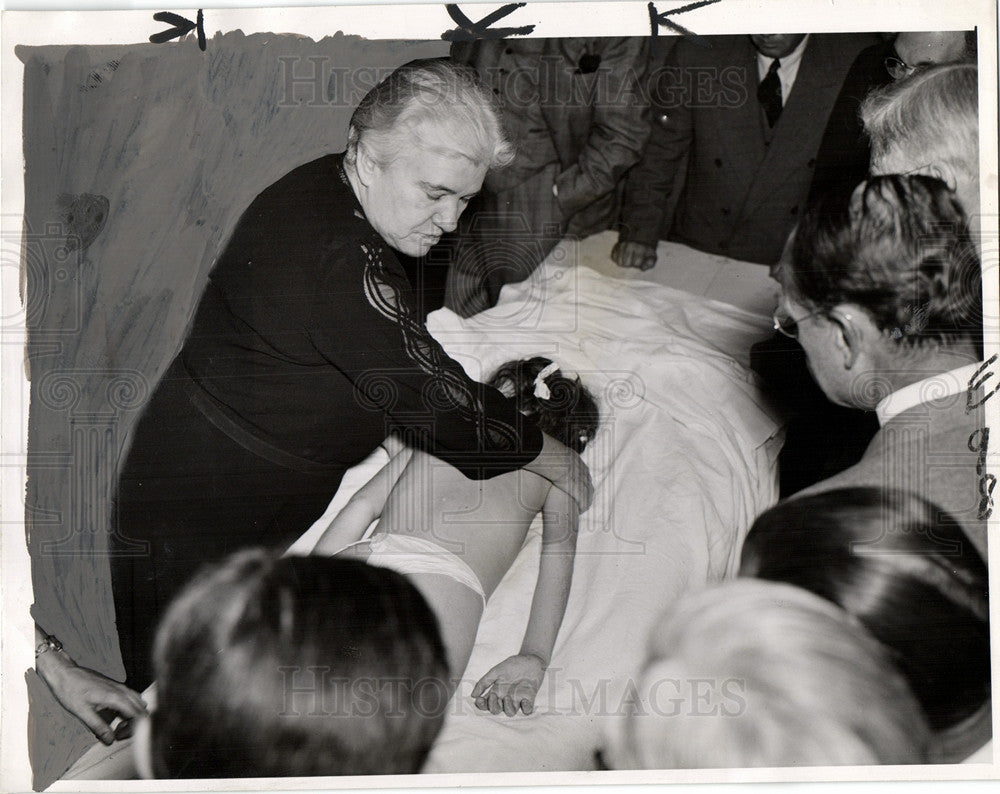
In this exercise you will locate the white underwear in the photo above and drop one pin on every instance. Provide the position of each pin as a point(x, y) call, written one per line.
point(408, 554)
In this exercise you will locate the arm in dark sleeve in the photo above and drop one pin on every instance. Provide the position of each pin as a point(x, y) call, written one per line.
point(650, 185)
point(365, 324)
point(618, 129)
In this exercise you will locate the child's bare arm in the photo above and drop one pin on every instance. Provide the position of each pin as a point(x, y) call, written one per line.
point(366, 504)
point(513, 683)
point(560, 519)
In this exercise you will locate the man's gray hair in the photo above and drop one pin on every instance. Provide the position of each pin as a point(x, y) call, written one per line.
point(930, 118)
point(466, 116)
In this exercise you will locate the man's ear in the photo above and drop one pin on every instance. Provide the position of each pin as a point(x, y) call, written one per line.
point(944, 172)
point(855, 330)
point(142, 747)
point(779, 270)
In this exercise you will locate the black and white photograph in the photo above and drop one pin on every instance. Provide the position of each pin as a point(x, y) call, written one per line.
point(479, 394)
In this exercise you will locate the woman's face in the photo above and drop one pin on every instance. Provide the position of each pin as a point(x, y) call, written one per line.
point(419, 195)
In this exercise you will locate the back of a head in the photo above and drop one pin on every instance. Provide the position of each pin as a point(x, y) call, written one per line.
point(928, 122)
point(561, 406)
point(296, 666)
point(436, 103)
point(920, 49)
point(753, 673)
point(900, 249)
point(903, 568)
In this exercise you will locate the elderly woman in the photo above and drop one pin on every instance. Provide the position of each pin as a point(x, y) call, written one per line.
point(305, 352)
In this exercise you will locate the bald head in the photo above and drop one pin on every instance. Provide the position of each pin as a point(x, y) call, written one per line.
point(918, 49)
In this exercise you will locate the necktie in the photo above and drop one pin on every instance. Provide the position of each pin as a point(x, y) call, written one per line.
point(769, 93)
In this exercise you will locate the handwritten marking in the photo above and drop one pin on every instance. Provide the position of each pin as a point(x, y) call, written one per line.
point(181, 27)
point(468, 30)
point(656, 19)
point(976, 382)
point(979, 441)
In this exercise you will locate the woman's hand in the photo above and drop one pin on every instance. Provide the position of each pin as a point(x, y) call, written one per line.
point(510, 685)
point(85, 693)
point(564, 468)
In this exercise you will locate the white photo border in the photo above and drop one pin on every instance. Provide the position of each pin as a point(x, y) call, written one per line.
point(417, 21)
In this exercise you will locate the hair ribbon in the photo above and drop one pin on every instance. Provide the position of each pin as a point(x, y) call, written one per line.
point(542, 390)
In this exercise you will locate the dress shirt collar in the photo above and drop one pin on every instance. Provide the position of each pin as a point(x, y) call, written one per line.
point(944, 384)
point(788, 70)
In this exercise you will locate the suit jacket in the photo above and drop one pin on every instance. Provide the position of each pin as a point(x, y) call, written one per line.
point(745, 185)
point(593, 106)
point(844, 153)
point(926, 449)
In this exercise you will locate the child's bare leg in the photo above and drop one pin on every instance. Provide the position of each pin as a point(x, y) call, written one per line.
point(458, 611)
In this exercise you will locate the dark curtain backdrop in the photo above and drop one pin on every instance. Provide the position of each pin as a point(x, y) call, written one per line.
point(138, 162)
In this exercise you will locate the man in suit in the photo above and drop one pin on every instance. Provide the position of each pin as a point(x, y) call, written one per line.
point(844, 154)
point(886, 300)
point(927, 123)
point(575, 111)
point(736, 127)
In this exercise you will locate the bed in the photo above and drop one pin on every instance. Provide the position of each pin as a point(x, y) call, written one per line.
point(683, 461)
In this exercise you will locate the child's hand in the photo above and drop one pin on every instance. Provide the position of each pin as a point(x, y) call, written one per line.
point(510, 685)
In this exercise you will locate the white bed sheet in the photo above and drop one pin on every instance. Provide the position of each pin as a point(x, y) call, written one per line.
point(683, 462)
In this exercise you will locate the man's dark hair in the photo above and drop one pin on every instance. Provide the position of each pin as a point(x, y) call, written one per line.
point(296, 666)
point(900, 250)
point(905, 569)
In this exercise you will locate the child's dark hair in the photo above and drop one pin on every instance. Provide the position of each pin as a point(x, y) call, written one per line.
point(569, 413)
point(296, 666)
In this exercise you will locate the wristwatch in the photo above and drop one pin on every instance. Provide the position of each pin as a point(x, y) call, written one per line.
point(50, 643)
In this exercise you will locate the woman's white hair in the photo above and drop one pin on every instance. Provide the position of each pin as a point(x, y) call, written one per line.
point(440, 103)
point(755, 673)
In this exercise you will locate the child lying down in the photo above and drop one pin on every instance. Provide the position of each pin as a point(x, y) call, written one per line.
point(455, 538)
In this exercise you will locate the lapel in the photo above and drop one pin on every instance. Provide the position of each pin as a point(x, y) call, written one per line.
point(740, 128)
point(799, 130)
point(553, 83)
point(559, 59)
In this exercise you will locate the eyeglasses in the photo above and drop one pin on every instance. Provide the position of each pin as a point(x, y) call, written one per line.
point(785, 324)
point(898, 68)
